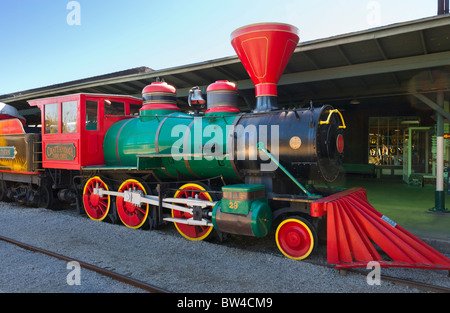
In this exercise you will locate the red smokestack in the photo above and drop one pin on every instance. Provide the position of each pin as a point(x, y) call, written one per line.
point(264, 50)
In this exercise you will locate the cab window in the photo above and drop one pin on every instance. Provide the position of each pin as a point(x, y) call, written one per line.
point(91, 115)
point(134, 108)
point(51, 118)
point(69, 117)
point(114, 108)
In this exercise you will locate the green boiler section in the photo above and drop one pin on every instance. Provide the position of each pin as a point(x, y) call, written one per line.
point(173, 145)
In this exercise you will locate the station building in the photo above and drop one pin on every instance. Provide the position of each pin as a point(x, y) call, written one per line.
point(391, 83)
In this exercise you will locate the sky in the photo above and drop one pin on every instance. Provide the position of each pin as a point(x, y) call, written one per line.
point(46, 42)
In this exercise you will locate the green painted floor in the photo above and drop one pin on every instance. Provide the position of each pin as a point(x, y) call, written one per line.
point(406, 205)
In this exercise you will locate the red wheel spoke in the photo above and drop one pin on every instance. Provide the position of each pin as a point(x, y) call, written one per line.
point(140, 210)
point(102, 209)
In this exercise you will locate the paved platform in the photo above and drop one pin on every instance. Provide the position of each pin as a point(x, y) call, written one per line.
point(408, 206)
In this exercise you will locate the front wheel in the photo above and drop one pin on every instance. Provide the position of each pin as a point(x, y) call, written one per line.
point(296, 238)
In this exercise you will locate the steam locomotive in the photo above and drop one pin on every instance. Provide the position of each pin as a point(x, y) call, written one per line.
point(211, 171)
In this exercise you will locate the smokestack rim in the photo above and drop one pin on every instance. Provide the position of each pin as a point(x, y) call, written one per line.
point(264, 27)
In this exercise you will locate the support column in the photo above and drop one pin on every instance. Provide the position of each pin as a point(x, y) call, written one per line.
point(439, 195)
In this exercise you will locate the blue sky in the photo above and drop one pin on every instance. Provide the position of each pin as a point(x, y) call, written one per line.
point(38, 47)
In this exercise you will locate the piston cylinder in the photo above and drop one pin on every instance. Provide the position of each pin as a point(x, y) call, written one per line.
point(243, 210)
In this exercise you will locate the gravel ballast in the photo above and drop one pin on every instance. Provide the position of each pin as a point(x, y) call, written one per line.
point(162, 258)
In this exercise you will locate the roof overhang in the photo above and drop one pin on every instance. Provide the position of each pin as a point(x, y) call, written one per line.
point(398, 59)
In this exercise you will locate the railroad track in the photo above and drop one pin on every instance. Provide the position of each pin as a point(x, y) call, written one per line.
point(119, 277)
point(154, 289)
point(322, 253)
point(416, 284)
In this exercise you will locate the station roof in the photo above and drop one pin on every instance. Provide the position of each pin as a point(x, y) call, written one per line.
point(391, 60)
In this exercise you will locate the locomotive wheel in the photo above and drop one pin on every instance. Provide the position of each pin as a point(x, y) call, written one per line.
point(296, 238)
point(45, 197)
point(194, 233)
point(131, 215)
point(3, 191)
point(96, 207)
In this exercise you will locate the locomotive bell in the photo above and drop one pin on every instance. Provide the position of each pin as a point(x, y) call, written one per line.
point(195, 99)
point(195, 96)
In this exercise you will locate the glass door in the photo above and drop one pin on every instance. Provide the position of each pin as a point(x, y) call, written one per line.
point(419, 151)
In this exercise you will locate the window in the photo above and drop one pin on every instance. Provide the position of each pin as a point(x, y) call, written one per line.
point(134, 108)
point(51, 118)
point(91, 115)
point(114, 108)
point(69, 117)
point(386, 139)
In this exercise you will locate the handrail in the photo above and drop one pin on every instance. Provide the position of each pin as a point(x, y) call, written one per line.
point(329, 116)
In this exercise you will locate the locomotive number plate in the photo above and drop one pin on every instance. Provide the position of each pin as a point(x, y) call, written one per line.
point(236, 207)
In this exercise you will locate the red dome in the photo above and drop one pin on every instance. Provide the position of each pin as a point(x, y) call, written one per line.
point(221, 85)
point(222, 97)
point(159, 87)
point(159, 96)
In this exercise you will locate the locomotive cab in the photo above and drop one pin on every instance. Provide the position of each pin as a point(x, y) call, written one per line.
point(74, 126)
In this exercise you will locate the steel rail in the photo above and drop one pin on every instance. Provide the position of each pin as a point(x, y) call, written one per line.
point(154, 289)
point(417, 284)
point(404, 281)
point(119, 277)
